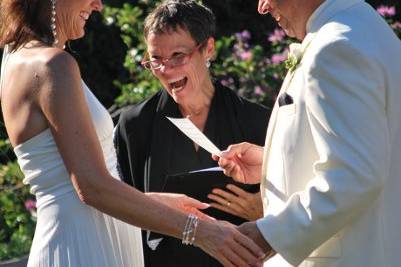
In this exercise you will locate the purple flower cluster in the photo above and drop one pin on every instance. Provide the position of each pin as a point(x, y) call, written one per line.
point(245, 55)
point(386, 11)
point(276, 36)
point(279, 58)
point(30, 205)
point(241, 49)
point(243, 36)
point(227, 82)
point(258, 91)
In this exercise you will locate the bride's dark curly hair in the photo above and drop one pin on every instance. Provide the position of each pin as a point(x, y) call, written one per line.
point(22, 21)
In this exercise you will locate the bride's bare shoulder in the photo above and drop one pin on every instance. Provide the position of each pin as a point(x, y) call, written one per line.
point(51, 59)
point(41, 60)
point(40, 71)
point(45, 64)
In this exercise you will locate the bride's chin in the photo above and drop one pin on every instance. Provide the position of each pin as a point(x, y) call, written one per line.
point(77, 34)
point(81, 34)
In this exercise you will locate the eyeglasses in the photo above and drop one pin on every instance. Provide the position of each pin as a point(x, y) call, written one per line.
point(174, 61)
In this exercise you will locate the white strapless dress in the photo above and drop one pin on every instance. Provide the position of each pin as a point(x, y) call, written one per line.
point(69, 233)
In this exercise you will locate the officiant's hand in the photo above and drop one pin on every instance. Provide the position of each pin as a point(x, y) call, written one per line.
point(238, 202)
point(224, 242)
point(251, 230)
point(242, 162)
point(183, 203)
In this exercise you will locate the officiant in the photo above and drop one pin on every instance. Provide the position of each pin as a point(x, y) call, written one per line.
point(180, 48)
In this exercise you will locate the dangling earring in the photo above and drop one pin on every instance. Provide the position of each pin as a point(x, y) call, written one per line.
point(53, 22)
point(208, 63)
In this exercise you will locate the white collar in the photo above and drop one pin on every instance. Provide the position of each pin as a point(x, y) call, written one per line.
point(326, 11)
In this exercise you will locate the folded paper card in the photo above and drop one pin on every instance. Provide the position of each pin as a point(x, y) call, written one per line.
point(190, 130)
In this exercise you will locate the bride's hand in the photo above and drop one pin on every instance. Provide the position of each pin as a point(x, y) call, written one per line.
point(182, 202)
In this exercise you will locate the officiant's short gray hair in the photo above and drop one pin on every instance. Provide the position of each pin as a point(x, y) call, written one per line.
point(188, 15)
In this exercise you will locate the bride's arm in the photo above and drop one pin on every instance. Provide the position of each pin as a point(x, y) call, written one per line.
point(63, 104)
point(181, 202)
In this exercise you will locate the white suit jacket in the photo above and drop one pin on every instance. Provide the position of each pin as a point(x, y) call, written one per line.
point(332, 166)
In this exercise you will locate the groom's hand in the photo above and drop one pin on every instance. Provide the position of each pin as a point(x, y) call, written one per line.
point(251, 230)
point(242, 162)
point(225, 243)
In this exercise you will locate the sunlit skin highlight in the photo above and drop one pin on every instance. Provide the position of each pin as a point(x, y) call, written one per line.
point(71, 18)
point(291, 15)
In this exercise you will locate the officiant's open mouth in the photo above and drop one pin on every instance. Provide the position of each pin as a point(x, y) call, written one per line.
point(84, 16)
point(178, 85)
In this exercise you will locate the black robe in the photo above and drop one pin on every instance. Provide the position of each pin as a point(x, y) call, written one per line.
point(149, 147)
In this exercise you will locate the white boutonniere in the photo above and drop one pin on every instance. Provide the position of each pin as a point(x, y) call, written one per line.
point(297, 52)
point(294, 56)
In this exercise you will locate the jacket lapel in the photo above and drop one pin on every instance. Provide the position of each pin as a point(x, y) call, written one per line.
point(160, 147)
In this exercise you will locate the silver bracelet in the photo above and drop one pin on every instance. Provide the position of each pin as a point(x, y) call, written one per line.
point(195, 227)
point(188, 230)
point(185, 232)
point(188, 235)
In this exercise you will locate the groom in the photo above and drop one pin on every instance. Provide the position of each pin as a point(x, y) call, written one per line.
point(331, 173)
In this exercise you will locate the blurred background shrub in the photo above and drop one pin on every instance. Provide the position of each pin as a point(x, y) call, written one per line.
point(18, 213)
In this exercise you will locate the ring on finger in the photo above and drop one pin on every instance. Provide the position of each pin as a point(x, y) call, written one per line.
point(228, 204)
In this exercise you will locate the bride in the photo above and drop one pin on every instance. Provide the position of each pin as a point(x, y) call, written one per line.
point(62, 137)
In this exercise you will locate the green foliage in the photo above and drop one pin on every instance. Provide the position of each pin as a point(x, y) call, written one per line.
point(247, 68)
point(5, 150)
point(17, 213)
point(129, 19)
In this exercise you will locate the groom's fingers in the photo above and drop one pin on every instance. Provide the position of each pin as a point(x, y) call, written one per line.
point(231, 169)
point(248, 243)
point(238, 175)
point(234, 150)
point(215, 157)
point(224, 261)
point(225, 163)
point(238, 255)
point(245, 257)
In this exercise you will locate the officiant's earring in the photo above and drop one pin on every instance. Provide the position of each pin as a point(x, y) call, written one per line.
point(208, 63)
point(53, 22)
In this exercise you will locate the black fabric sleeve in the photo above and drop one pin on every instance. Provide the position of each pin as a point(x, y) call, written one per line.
point(120, 144)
